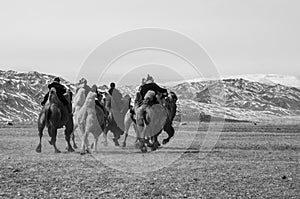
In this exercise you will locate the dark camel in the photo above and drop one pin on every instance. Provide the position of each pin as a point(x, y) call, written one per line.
point(55, 115)
point(160, 118)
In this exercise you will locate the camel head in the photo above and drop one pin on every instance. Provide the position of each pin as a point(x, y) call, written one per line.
point(53, 96)
point(172, 97)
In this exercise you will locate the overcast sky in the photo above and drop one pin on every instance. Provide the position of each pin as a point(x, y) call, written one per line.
point(241, 37)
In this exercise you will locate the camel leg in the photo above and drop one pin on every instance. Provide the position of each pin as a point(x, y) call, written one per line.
point(105, 143)
point(141, 137)
point(81, 129)
point(86, 140)
point(136, 134)
point(73, 135)
point(143, 146)
point(53, 133)
point(116, 132)
point(68, 133)
point(155, 144)
point(170, 131)
point(127, 124)
point(96, 137)
point(125, 138)
point(85, 145)
point(41, 127)
point(115, 139)
point(82, 151)
point(73, 140)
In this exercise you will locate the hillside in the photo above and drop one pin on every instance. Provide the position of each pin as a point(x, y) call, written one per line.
point(21, 94)
point(243, 99)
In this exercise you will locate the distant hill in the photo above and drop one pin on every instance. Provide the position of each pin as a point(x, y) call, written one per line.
point(271, 79)
point(21, 95)
point(244, 100)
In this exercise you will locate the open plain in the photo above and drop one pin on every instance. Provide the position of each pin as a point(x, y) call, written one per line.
point(244, 160)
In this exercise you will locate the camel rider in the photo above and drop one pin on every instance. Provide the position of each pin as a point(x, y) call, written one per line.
point(83, 84)
point(159, 92)
point(113, 91)
point(149, 93)
point(149, 84)
point(98, 100)
point(115, 95)
point(112, 87)
point(60, 91)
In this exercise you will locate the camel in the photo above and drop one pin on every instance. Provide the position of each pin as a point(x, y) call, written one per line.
point(117, 110)
point(160, 117)
point(89, 119)
point(116, 113)
point(77, 103)
point(81, 106)
point(55, 115)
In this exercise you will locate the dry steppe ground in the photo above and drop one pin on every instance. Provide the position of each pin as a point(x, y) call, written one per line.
point(243, 161)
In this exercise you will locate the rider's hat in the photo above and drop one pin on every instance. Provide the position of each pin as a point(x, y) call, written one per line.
point(112, 85)
point(57, 79)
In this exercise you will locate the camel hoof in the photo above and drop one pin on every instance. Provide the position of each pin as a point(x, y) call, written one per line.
point(124, 144)
point(82, 152)
point(137, 145)
point(88, 151)
point(165, 141)
point(57, 151)
point(38, 149)
point(70, 149)
point(150, 144)
point(116, 142)
point(144, 149)
point(75, 146)
point(155, 146)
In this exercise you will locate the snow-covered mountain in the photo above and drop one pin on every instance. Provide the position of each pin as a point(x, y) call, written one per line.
point(242, 99)
point(21, 94)
point(272, 79)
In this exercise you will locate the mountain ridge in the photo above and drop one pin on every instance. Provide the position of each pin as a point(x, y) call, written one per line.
point(271, 79)
point(243, 100)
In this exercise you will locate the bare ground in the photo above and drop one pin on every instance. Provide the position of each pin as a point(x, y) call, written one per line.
point(244, 161)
